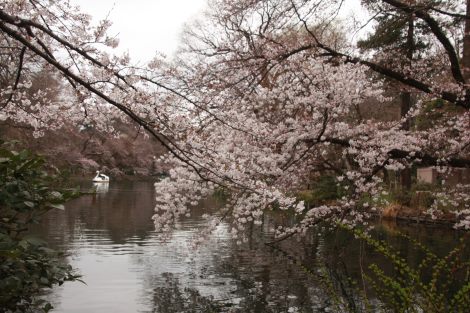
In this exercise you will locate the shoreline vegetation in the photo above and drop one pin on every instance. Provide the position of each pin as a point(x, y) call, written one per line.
point(415, 213)
point(406, 214)
point(421, 204)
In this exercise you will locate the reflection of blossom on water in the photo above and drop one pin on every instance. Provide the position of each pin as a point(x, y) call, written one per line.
point(293, 309)
point(173, 297)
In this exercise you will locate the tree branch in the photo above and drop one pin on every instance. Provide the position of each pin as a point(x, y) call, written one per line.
point(456, 15)
point(27, 24)
point(438, 33)
point(18, 76)
point(424, 159)
point(448, 96)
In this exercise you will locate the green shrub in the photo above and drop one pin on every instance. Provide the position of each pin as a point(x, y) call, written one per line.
point(26, 264)
point(408, 289)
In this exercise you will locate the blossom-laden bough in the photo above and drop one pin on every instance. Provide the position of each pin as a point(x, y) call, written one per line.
point(280, 89)
point(263, 95)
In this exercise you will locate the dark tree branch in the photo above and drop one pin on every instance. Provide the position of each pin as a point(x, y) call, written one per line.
point(179, 94)
point(166, 142)
point(18, 76)
point(451, 14)
point(27, 24)
point(404, 79)
point(398, 76)
point(420, 158)
point(292, 160)
point(438, 33)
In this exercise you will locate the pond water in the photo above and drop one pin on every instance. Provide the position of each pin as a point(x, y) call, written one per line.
point(109, 237)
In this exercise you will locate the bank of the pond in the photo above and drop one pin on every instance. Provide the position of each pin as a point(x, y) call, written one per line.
point(415, 215)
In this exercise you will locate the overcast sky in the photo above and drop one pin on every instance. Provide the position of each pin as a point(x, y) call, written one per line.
point(147, 26)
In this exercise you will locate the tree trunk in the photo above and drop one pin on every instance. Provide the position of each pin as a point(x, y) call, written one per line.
point(406, 100)
point(466, 47)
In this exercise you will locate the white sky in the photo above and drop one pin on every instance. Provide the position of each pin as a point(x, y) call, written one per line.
point(146, 26)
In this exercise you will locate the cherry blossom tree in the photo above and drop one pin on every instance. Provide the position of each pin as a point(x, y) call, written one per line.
point(262, 96)
point(275, 103)
point(99, 86)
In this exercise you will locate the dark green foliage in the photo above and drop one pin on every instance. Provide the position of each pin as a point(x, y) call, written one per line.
point(391, 33)
point(26, 264)
point(325, 188)
point(220, 194)
point(436, 111)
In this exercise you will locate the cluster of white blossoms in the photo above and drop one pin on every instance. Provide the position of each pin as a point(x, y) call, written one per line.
point(274, 112)
point(261, 157)
point(91, 87)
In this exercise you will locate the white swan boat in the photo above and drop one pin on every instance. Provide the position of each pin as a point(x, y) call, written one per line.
point(100, 178)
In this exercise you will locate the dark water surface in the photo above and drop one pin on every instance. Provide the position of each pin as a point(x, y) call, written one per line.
point(109, 237)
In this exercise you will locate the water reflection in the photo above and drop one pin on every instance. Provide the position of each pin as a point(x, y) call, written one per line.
point(102, 187)
point(109, 237)
point(173, 297)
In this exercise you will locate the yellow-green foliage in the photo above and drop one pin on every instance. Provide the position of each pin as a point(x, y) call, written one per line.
point(407, 290)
